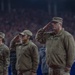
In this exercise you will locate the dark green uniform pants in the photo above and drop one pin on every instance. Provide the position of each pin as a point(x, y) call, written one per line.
point(58, 72)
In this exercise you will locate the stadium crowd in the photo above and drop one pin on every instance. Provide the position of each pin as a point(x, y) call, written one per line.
point(17, 20)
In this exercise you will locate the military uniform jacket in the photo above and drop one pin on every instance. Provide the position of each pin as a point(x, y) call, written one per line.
point(4, 58)
point(60, 48)
point(27, 57)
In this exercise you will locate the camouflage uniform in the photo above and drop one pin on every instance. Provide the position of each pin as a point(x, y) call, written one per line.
point(14, 42)
point(60, 49)
point(27, 56)
point(4, 57)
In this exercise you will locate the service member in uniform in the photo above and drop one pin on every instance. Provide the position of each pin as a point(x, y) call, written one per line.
point(14, 42)
point(27, 55)
point(60, 47)
point(4, 56)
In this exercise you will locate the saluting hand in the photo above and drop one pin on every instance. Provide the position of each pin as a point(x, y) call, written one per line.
point(67, 69)
point(47, 26)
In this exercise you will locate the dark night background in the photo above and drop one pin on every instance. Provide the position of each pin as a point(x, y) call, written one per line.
point(63, 5)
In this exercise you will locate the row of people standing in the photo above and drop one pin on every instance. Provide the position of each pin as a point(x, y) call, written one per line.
point(42, 67)
point(60, 50)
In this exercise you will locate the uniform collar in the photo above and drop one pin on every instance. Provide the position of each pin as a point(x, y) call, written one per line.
point(60, 32)
point(26, 43)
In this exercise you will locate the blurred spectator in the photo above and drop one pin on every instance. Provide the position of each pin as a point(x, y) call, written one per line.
point(44, 66)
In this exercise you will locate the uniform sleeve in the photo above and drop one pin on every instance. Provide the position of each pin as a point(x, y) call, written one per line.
point(41, 36)
point(35, 58)
point(12, 44)
point(70, 50)
point(6, 56)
